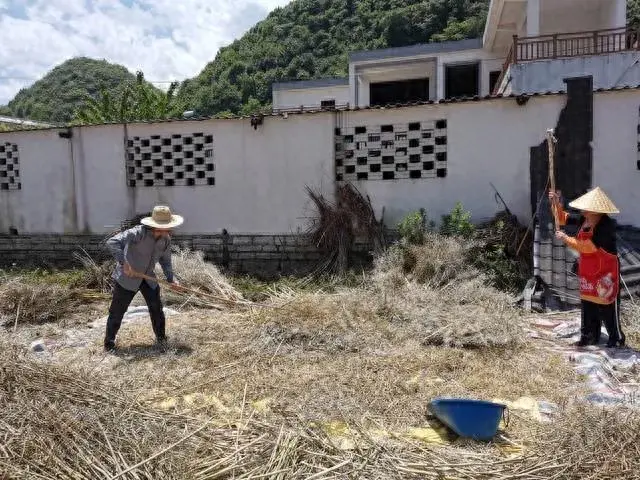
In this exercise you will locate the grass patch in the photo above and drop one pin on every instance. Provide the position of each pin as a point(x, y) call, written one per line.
point(40, 276)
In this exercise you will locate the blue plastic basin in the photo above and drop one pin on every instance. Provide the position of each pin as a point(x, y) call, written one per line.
point(476, 419)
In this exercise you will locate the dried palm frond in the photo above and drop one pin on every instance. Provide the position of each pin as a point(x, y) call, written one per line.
point(338, 224)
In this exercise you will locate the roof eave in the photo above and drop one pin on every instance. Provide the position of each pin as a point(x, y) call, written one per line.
point(308, 84)
point(493, 16)
point(419, 50)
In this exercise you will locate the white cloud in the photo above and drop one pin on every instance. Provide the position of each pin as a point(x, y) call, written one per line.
point(166, 39)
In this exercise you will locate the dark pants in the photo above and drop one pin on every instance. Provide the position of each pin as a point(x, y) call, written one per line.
point(593, 315)
point(120, 303)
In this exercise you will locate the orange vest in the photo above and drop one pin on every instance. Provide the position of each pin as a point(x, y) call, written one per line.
point(599, 274)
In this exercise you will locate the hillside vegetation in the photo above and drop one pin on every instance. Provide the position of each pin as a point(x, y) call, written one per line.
point(57, 96)
point(306, 39)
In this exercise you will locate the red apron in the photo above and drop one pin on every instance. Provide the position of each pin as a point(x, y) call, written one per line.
point(598, 273)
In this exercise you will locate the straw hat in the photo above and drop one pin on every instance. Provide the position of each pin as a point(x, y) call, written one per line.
point(595, 201)
point(161, 217)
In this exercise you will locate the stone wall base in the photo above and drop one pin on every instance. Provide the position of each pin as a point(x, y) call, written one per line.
point(267, 255)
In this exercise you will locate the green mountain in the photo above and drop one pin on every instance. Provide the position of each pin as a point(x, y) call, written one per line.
point(312, 38)
point(56, 96)
point(304, 40)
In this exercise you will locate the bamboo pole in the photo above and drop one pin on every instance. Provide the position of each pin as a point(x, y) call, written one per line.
point(551, 141)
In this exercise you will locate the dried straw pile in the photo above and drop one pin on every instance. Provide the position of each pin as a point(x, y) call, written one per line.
point(37, 301)
point(630, 318)
point(464, 315)
point(435, 263)
point(432, 285)
point(57, 423)
point(60, 423)
point(589, 442)
point(189, 267)
point(95, 276)
point(193, 271)
point(27, 302)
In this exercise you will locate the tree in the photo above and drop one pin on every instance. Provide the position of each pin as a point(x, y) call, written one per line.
point(633, 13)
point(139, 101)
point(252, 106)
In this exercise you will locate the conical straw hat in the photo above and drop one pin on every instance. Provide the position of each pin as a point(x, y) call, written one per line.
point(595, 201)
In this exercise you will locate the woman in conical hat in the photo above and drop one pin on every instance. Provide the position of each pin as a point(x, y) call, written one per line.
point(598, 265)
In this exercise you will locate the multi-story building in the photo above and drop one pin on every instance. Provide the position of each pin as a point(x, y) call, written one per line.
point(528, 46)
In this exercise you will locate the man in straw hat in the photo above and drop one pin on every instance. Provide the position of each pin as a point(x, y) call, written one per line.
point(136, 251)
point(598, 265)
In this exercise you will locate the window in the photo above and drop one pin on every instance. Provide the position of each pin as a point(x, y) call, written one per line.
point(462, 80)
point(404, 91)
point(493, 80)
point(328, 104)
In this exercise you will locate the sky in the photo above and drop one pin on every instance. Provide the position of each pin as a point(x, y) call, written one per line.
point(166, 39)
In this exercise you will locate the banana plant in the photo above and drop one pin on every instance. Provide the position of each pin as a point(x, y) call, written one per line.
point(140, 101)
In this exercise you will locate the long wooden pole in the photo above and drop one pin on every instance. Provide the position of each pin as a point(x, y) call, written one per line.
point(551, 183)
point(551, 141)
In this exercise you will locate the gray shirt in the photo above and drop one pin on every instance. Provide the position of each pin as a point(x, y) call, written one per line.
point(139, 247)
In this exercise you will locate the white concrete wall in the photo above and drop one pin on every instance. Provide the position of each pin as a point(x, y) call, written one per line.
point(104, 199)
point(488, 142)
point(616, 69)
point(309, 97)
point(260, 177)
point(564, 16)
point(261, 174)
point(532, 22)
point(618, 14)
point(615, 151)
point(46, 202)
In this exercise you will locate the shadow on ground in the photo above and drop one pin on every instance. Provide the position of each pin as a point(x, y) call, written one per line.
point(137, 352)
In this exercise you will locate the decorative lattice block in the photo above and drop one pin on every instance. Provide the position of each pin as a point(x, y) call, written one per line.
point(415, 150)
point(170, 161)
point(9, 167)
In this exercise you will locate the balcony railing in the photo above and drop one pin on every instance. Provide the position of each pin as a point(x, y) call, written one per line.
point(567, 45)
